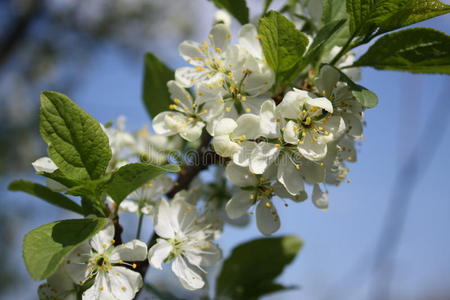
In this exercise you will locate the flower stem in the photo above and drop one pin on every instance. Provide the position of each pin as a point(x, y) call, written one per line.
point(138, 233)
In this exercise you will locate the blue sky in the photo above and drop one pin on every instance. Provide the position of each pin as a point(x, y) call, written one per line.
point(344, 236)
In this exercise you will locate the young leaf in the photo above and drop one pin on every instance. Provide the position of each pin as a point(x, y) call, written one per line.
point(247, 273)
point(417, 50)
point(45, 247)
point(391, 15)
point(283, 45)
point(237, 8)
point(155, 93)
point(367, 16)
point(76, 142)
point(333, 10)
point(364, 96)
point(45, 194)
point(130, 177)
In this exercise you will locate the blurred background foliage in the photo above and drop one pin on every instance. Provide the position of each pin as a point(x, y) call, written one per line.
point(74, 46)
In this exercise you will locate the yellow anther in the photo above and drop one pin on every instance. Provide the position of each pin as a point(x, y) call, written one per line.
point(218, 50)
point(297, 166)
point(210, 36)
point(101, 288)
point(251, 197)
point(277, 146)
point(251, 214)
point(120, 261)
point(173, 106)
point(134, 266)
point(200, 94)
point(349, 180)
point(190, 119)
point(268, 204)
point(244, 98)
point(321, 164)
point(104, 246)
point(248, 110)
point(177, 101)
point(221, 101)
point(308, 121)
point(123, 288)
point(113, 241)
point(205, 111)
point(301, 142)
point(227, 109)
point(258, 36)
point(228, 36)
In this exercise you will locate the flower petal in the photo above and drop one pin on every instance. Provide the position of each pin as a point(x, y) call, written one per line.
point(134, 250)
point(124, 283)
point(263, 156)
point(225, 127)
point(158, 253)
point(103, 239)
point(267, 218)
point(163, 222)
point(44, 164)
point(290, 135)
point(240, 176)
point(311, 149)
point(248, 39)
point(268, 120)
point(192, 132)
point(220, 37)
point(248, 126)
point(290, 177)
point(224, 146)
point(188, 278)
point(242, 158)
point(239, 204)
point(178, 92)
point(191, 52)
point(319, 198)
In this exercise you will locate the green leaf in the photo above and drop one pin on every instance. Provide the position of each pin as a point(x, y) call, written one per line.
point(237, 8)
point(368, 16)
point(333, 10)
point(391, 15)
point(364, 96)
point(242, 275)
point(155, 94)
point(45, 194)
point(418, 50)
point(132, 176)
point(45, 247)
point(58, 176)
point(283, 45)
point(76, 142)
point(90, 188)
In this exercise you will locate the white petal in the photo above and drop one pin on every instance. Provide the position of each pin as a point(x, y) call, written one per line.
point(188, 76)
point(159, 123)
point(240, 176)
point(239, 204)
point(319, 198)
point(224, 146)
point(242, 158)
point(248, 39)
point(163, 223)
point(248, 126)
point(289, 134)
point(328, 79)
point(220, 36)
point(354, 125)
point(290, 177)
point(134, 250)
point(128, 206)
point(268, 120)
point(124, 283)
point(267, 218)
point(263, 156)
point(192, 132)
point(75, 266)
point(290, 106)
point(191, 52)
point(225, 127)
point(158, 253)
point(313, 172)
point(188, 278)
point(103, 239)
point(323, 103)
point(44, 164)
point(100, 290)
point(178, 92)
point(311, 149)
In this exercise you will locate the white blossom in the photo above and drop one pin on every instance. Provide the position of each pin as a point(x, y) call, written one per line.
point(143, 200)
point(105, 263)
point(58, 286)
point(183, 242)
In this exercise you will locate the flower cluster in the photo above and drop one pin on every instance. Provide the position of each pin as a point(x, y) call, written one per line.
point(275, 145)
